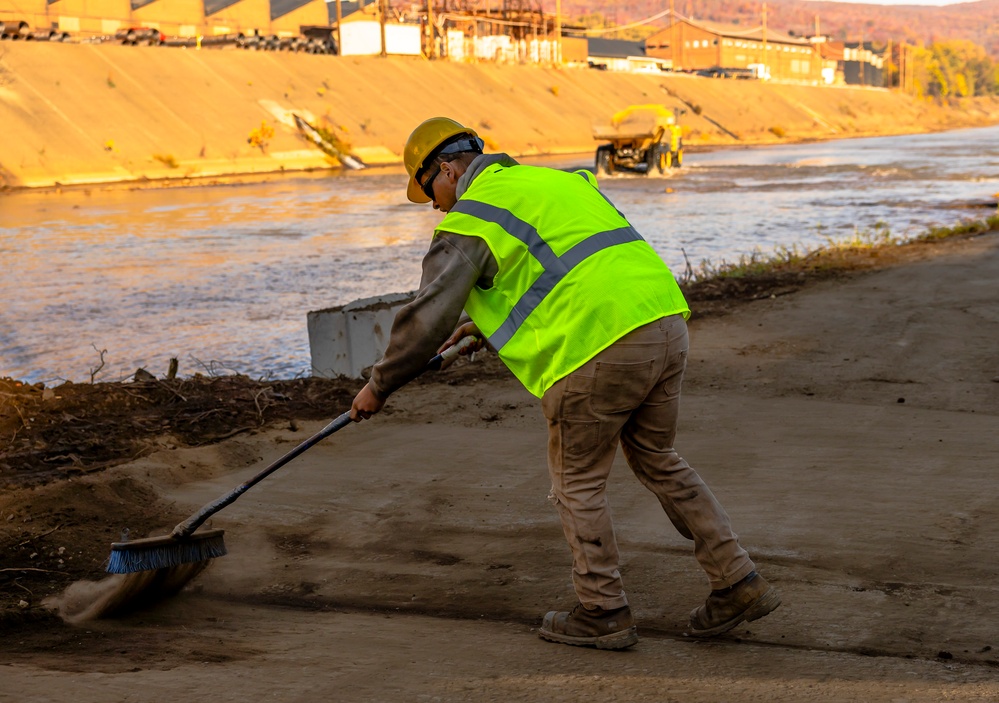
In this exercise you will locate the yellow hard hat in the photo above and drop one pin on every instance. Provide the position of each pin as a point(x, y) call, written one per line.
point(424, 143)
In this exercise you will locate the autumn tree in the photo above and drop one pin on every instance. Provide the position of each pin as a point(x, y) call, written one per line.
point(954, 69)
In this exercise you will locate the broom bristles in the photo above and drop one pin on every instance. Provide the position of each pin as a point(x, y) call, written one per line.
point(164, 552)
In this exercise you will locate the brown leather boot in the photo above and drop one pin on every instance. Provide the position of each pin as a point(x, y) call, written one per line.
point(750, 599)
point(594, 627)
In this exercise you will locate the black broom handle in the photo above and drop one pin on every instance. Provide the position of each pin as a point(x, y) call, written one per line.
point(192, 523)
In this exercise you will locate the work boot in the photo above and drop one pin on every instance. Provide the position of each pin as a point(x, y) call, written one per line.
point(750, 599)
point(594, 627)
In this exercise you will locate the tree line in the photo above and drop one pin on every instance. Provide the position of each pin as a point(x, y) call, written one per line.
point(946, 69)
point(941, 69)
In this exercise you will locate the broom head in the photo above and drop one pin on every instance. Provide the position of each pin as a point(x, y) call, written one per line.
point(163, 552)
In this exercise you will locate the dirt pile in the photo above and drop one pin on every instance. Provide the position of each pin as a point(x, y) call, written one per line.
point(58, 514)
point(55, 522)
point(74, 429)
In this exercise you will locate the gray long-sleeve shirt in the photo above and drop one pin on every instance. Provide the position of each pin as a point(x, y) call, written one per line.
point(453, 265)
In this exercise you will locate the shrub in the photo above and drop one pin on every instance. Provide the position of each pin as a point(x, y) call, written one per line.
point(261, 136)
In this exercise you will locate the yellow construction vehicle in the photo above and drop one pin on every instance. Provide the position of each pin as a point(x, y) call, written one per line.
point(641, 138)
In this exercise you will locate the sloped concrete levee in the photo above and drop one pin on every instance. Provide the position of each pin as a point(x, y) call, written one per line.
point(95, 113)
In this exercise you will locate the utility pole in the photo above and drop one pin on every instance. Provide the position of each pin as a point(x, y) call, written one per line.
point(887, 69)
point(382, 11)
point(339, 35)
point(558, 31)
point(901, 66)
point(431, 39)
point(672, 38)
point(816, 47)
point(766, 64)
point(861, 57)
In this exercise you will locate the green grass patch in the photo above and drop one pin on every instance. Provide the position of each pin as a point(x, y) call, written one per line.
point(718, 289)
point(970, 227)
point(836, 253)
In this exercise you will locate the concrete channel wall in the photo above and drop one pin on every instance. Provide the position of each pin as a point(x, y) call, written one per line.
point(76, 114)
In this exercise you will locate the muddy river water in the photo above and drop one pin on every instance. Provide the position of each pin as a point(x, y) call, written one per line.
point(221, 277)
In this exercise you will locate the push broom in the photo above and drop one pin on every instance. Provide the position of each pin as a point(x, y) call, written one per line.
point(184, 546)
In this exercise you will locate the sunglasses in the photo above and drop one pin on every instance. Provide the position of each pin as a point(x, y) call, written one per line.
point(428, 185)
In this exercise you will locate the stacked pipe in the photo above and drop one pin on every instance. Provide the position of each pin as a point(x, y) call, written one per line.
point(14, 29)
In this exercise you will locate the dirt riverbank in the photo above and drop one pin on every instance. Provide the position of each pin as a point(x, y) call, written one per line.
point(846, 418)
point(84, 114)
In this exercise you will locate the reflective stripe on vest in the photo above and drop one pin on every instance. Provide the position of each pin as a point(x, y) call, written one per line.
point(555, 267)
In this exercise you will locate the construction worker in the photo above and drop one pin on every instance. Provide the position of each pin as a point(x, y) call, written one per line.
point(589, 318)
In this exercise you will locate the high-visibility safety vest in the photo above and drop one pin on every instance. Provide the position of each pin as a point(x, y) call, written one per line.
point(574, 276)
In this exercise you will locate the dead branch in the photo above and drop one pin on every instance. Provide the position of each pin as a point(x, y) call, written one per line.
point(44, 534)
point(102, 352)
point(137, 395)
point(230, 433)
point(688, 272)
point(31, 568)
point(24, 423)
point(256, 401)
point(167, 386)
point(212, 368)
point(201, 416)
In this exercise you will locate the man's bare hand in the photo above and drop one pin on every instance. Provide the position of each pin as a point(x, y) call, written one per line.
point(465, 330)
point(365, 404)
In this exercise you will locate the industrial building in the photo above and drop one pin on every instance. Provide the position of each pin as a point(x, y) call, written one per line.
point(85, 19)
point(621, 55)
point(457, 30)
point(694, 45)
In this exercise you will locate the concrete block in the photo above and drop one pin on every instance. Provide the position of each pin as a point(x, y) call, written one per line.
point(346, 340)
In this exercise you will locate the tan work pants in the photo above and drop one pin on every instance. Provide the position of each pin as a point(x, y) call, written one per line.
point(630, 393)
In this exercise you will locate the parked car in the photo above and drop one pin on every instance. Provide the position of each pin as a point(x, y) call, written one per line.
point(722, 72)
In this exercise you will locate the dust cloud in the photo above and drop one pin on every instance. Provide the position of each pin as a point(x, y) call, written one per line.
point(120, 594)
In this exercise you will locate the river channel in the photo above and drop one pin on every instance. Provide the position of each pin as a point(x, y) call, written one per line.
point(221, 277)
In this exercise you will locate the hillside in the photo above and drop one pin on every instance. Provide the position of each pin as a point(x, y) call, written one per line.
point(974, 21)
